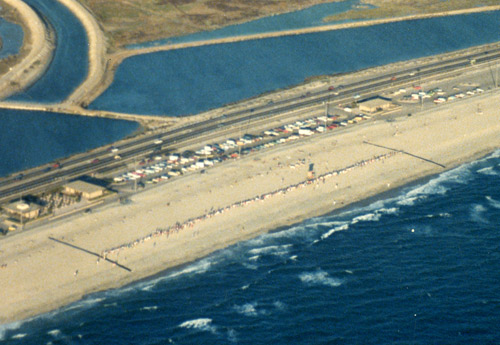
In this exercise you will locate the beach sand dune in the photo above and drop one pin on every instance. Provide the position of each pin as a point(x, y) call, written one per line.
point(41, 274)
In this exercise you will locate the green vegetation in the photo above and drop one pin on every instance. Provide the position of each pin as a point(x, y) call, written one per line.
point(399, 8)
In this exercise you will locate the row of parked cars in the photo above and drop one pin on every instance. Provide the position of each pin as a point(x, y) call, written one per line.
point(162, 168)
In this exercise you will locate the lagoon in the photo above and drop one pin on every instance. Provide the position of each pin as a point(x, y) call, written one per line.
point(11, 38)
point(31, 138)
point(193, 80)
point(70, 62)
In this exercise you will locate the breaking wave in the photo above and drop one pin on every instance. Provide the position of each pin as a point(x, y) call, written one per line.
point(488, 171)
point(494, 203)
point(198, 267)
point(342, 227)
point(8, 327)
point(273, 250)
point(319, 278)
point(202, 324)
point(477, 213)
point(247, 309)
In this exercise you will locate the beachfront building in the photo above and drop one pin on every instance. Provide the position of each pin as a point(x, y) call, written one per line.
point(22, 210)
point(375, 105)
point(85, 189)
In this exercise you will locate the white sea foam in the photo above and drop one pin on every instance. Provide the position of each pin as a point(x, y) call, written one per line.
point(247, 309)
point(442, 215)
point(83, 304)
point(488, 171)
point(18, 336)
point(202, 324)
point(293, 257)
point(55, 333)
point(279, 305)
point(494, 203)
point(477, 213)
point(342, 227)
point(273, 250)
point(369, 217)
point(199, 267)
point(250, 266)
point(150, 308)
point(319, 278)
point(9, 327)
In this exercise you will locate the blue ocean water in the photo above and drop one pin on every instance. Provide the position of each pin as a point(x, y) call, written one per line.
point(308, 17)
point(31, 138)
point(419, 266)
point(193, 80)
point(70, 62)
point(11, 36)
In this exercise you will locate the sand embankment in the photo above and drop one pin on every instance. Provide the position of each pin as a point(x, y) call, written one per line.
point(97, 51)
point(43, 274)
point(38, 42)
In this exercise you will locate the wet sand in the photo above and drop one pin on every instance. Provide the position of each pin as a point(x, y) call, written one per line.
point(54, 265)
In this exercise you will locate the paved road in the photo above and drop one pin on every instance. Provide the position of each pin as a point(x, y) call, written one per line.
point(39, 179)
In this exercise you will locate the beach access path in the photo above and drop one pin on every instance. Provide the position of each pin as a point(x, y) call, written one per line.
point(48, 267)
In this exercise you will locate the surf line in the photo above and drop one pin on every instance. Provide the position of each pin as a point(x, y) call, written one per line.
point(406, 153)
point(91, 253)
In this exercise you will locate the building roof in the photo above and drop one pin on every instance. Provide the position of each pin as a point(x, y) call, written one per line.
point(21, 206)
point(84, 187)
point(375, 102)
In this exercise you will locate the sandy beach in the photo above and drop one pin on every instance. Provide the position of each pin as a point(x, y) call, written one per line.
point(168, 226)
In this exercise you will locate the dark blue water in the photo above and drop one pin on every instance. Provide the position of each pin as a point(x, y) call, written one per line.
point(312, 16)
point(32, 138)
point(11, 36)
point(420, 267)
point(70, 62)
point(193, 80)
point(29, 139)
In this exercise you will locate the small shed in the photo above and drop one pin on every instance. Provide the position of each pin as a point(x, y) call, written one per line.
point(375, 105)
point(85, 189)
point(22, 210)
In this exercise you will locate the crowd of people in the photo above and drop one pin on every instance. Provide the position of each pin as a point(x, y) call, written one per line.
point(281, 191)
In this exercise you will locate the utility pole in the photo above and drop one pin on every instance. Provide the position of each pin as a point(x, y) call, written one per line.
point(326, 113)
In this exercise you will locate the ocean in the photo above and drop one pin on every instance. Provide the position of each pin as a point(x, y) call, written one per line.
point(419, 265)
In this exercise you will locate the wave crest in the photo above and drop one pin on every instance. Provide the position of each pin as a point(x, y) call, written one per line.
point(202, 324)
point(319, 278)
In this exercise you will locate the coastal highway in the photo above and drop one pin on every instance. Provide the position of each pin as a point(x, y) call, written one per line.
point(44, 177)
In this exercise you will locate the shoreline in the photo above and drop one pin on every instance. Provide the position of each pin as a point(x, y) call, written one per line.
point(449, 136)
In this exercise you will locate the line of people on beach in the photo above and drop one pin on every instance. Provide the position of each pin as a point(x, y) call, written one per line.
point(214, 212)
